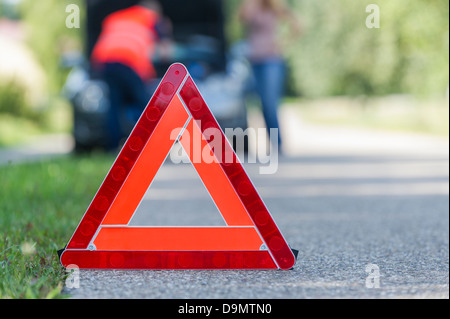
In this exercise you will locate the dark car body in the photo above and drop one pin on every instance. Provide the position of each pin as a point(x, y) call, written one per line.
point(199, 43)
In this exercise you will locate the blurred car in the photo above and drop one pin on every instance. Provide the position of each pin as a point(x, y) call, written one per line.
point(222, 75)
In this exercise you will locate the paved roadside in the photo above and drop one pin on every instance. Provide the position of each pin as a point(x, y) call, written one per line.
point(300, 139)
point(42, 147)
point(345, 198)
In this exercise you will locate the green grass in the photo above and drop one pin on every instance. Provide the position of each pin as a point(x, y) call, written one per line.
point(40, 206)
point(391, 113)
point(15, 130)
point(21, 129)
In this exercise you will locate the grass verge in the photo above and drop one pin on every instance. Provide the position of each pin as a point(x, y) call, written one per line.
point(392, 113)
point(40, 206)
point(17, 130)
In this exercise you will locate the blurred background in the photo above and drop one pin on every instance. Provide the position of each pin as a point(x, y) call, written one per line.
point(365, 117)
point(339, 71)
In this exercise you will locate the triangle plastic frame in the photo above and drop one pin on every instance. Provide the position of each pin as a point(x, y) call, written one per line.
point(177, 113)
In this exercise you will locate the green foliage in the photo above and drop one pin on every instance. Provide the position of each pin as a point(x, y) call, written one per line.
point(48, 37)
point(12, 99)
point(338, 55)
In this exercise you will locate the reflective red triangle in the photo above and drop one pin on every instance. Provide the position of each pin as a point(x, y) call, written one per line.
point(104, 240)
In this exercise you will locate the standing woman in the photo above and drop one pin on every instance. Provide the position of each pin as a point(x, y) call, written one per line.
point(262, 19)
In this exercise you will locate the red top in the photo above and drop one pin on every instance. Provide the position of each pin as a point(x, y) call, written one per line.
point(128, 37)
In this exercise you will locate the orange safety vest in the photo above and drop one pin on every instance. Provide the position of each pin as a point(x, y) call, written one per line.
point(128, 37)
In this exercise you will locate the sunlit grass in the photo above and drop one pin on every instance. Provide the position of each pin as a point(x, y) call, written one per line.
point(18, 130)
point(393, 113)
point(40, 206)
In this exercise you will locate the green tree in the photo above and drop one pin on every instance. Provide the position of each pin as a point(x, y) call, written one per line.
point(339, 55)
point(48, 36)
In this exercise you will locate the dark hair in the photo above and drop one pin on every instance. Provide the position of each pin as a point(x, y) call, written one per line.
point(151, 4)
point(276, 6)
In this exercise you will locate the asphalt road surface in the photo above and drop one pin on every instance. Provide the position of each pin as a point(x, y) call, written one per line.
point(350, 201)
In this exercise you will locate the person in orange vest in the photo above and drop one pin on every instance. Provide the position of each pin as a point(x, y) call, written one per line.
point(122, 58)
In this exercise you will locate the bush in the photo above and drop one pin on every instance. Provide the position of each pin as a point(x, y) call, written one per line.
point(12, 100)
point(339, 55)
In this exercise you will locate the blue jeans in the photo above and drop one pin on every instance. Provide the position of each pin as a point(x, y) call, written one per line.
point(127, 90)
point(269, 84)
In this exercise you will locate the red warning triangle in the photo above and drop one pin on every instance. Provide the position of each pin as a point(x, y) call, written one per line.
point(250, 239)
